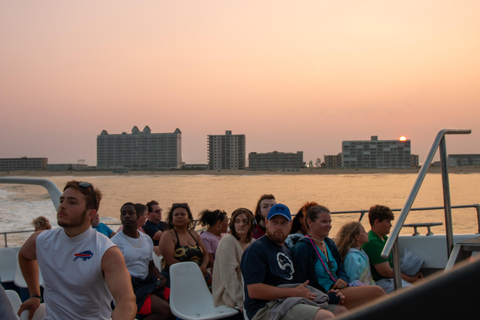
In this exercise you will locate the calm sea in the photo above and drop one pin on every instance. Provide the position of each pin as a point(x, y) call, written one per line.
point(19, 204)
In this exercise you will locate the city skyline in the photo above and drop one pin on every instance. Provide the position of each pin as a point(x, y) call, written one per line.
point(289, 76)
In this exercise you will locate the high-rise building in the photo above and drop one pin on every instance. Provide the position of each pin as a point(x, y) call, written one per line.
point(275, 160)
point(376, 153)
point(141, 150)
point(226, 151)
point(24, 163)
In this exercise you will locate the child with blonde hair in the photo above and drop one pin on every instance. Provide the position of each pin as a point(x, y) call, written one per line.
point(356, 264)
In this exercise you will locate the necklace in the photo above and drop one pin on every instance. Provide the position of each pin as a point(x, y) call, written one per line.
point(321, 241)
point(139, 242)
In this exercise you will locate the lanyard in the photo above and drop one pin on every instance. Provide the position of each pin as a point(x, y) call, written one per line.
point(320, 257)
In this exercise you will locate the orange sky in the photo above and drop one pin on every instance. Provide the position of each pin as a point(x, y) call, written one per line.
point(290, 75)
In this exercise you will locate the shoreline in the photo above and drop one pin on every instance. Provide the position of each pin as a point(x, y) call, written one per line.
point(303, 171)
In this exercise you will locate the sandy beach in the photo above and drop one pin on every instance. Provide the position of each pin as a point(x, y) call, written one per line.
point(304, 171)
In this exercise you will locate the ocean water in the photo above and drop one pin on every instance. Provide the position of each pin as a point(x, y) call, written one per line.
point(19, 204)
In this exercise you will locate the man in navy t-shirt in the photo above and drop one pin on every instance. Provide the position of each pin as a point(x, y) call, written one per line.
point(154, 227)
point(266, 264)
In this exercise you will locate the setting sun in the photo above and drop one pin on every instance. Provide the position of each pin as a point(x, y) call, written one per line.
point(402, 138)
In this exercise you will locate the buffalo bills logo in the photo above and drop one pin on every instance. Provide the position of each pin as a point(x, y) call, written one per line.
point(85, 255)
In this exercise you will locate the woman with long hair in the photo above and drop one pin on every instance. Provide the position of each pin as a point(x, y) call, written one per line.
point(316, 258)
point(264, 204)
point(227, 288)
point(180, 243)
point(217, 223)
point(350, 239)
point(299, 227)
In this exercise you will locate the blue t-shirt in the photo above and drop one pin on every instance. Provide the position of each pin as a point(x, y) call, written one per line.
point(151, 228)
point(266, 262)
point(103, 228)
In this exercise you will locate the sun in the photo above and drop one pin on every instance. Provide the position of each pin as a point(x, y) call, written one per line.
point(402, 138)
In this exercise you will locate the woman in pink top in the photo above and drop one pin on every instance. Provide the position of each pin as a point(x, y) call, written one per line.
point(217, 224)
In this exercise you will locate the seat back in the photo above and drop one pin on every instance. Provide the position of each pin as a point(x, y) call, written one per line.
point(157, 261)
point(38, 315)
point(15, 300)
point(189, 294)
point(20, 281)
point(8, 264)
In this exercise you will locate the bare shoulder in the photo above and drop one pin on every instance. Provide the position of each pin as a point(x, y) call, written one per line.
point(29, 248)
point(112, 258)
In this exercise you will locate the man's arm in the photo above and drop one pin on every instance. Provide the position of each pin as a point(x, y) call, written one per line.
point(27, 260)
point(119, 283)
point(386, 271)
point(266, 292)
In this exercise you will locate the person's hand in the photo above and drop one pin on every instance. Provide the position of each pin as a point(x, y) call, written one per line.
point(303, 292)
point(31, 304)
point(340, 284)
point(340, 295)
point(204, 270)
point(161, 281)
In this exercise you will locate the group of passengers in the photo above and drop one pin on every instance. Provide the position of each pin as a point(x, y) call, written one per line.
point(256, 261)
point(340, 269)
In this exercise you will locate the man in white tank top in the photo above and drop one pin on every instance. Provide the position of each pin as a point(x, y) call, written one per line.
point(82, 269)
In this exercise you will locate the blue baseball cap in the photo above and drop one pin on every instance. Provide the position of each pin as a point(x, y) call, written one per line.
point(279, 209)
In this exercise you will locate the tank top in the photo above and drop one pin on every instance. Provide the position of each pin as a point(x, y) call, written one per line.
point(71, 267)
point(186, 253)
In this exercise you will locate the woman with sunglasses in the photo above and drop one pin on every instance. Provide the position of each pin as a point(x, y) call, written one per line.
point(217, 223)
point(316, 258)
point(180, 243)
point(227, 287)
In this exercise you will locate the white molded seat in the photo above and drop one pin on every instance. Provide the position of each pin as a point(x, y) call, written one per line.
point(20, 281)
point(189, 295)
point(38, 315)
point(8, 264)
point(15, 300)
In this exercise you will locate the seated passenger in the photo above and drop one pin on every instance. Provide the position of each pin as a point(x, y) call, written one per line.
point(380, 218)
point(316, 259)
point(261, 211)
point(227, 287)
point(217, 222)
point(349, 240)
point(148, 283)
point(299, 229)
point(41, 223)
point(154, 226)
point(101, 227)
point(179, 243)
point(142, 213)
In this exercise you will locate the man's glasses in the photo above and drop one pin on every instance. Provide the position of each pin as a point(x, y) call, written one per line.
point(158, 211)
point(180, 205)
point(87, 185)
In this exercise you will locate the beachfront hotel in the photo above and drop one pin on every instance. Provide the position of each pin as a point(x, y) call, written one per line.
point(226, 151)
point(377, 154)
point(140, 150)
point(23, 163)
point(275, 160)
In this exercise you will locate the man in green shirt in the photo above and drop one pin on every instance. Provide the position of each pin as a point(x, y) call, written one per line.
point(380, 218)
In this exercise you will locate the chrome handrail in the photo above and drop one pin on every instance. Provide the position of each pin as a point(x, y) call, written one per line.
point(438, 142)
point(52, 189)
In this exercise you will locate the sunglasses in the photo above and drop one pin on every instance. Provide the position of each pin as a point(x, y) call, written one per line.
point(158, 211)
point(87, 185)
point(180, 205)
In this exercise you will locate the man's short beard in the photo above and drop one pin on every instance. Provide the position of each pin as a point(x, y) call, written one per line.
point(276, 238)
point(74, 223)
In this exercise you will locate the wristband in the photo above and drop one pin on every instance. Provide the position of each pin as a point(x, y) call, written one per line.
point(36, 296)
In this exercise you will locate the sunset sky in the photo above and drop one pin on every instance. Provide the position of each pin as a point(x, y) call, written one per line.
point(290, 75)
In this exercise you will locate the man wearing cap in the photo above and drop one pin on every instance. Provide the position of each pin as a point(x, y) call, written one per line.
point(266, 265)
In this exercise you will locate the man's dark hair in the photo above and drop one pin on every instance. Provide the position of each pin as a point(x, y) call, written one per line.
point(87, 192)
point(130, 204)
point(150, 204)
point(379, 212)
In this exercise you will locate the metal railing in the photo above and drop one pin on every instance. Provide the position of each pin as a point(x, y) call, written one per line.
point(391, 245)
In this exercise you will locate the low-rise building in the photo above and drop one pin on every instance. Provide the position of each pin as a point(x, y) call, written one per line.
point(463, 160)
point(275, 160)
point(23, 163)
